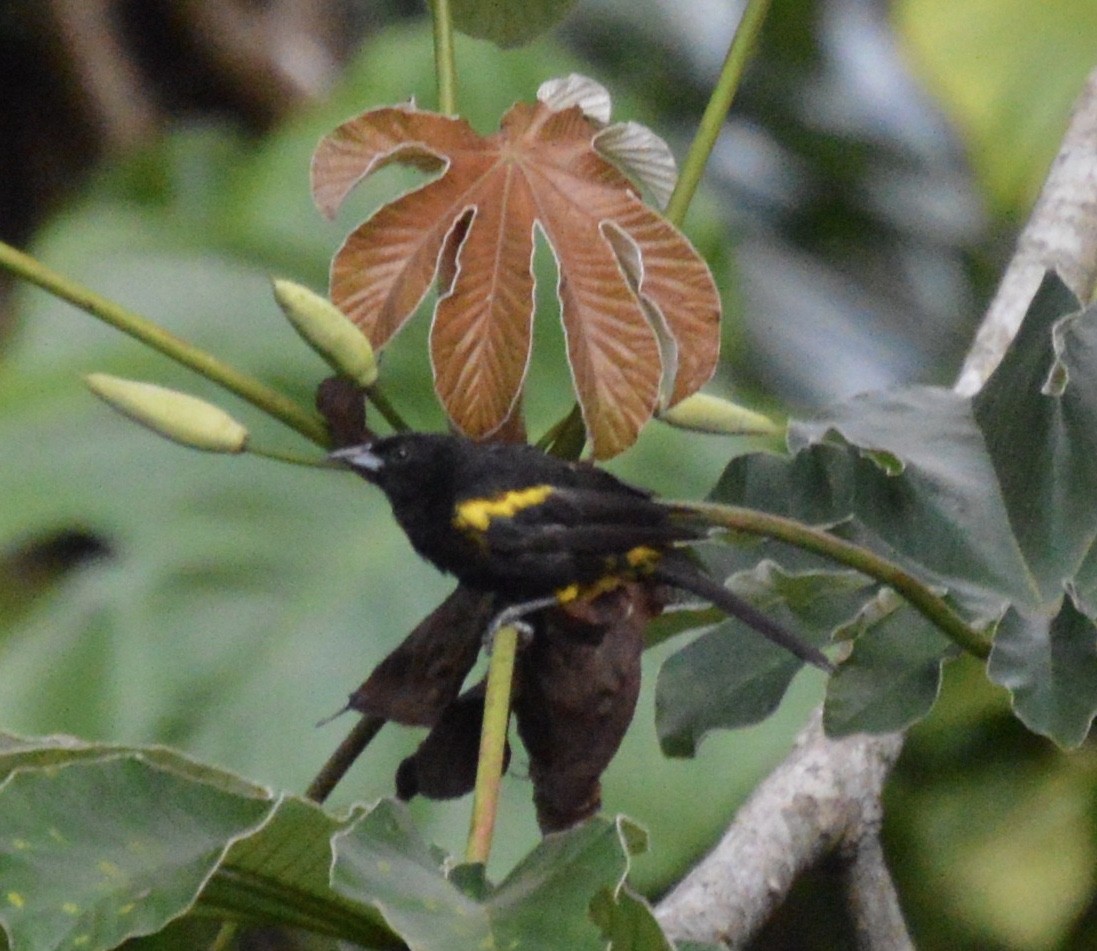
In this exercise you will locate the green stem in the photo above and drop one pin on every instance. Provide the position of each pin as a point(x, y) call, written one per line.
point(493, 740)
point(823, 543)
point(292, 458)
point(566, 437)
point(261, 396)
point(742, 43)
point(225, 935)
point(444, 60)
point(386, 409)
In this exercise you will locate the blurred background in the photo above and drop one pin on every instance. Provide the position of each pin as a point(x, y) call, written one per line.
point(861, 203)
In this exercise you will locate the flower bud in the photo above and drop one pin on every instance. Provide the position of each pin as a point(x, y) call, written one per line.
point(177, 416)
point(329, 332)
point(712, 414)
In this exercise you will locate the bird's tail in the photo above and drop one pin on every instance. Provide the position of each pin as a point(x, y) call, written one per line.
point(680, 573)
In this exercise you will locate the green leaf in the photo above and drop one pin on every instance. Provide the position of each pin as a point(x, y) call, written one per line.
point(1038, 413)
point(730, 676)
point(508, 22)
point(939, 513)
point(750, 676)
point(183, 934)
point(892, 676)
point(276, 872)
point(382, 861)
point(993, 503)
point(1050, 669)
point(18, 752)
point(97, 851)
point(282, 872)
point(627, 923)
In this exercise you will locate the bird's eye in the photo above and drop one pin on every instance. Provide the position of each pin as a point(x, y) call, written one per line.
point(401, 453)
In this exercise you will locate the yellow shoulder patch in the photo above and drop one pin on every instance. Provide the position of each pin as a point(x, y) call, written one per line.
point(476, 514)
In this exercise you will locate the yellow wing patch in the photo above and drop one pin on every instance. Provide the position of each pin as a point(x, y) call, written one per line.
point(588, 592)
point(638, 561)
point(643, 558)
point(476, 514)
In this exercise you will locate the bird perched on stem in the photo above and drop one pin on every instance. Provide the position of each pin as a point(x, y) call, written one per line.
point(537, 531)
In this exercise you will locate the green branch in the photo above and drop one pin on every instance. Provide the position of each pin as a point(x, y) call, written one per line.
point(493, 741)
point(388, 412)
point(445, 67)
point(742, 44)
point(261, 396)
point(861, 559)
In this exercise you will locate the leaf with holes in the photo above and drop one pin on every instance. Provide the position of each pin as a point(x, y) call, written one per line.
point(639, 305)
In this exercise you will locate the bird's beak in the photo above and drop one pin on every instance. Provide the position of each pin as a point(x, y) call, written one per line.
point(361, 458)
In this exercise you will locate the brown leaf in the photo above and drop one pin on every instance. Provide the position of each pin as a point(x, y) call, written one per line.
point(342, 403)
point(423, 675)
point(622, 267)
point(576, 687)
point(444, 765)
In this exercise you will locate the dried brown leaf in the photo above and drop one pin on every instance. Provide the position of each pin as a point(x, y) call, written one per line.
point(576, 688)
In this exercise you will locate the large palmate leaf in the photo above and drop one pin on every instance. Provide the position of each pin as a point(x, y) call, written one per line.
point(102, 842)
point(1039, 415)
point(993, 502)
point(639, 305)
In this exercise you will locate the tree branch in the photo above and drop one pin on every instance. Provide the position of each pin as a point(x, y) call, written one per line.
point(825, 795)
point(873, 902)
point(1061, 235)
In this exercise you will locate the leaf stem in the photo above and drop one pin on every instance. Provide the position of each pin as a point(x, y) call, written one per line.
point(493, 740)
point(386, 409)
point(935, 609)
point(222, 941)
point(445, 67)
point(742, 44)
point(566, 437)
point(261, 396)
point(291, 458)
point(355, 742)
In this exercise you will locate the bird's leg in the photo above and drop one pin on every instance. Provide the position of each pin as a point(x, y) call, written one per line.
point(513, 616)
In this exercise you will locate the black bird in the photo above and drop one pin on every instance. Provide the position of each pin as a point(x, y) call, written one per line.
point(537, 531)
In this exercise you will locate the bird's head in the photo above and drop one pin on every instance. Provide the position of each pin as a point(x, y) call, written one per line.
point(404, 464)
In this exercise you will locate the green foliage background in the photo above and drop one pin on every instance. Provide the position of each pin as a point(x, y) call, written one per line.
point(245, 599)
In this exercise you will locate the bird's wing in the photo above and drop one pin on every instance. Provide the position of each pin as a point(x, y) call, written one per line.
point(587, 521)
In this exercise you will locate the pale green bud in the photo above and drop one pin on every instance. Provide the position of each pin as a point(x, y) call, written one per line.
point(329, 331)
point(177, 416)
point(712, 414)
